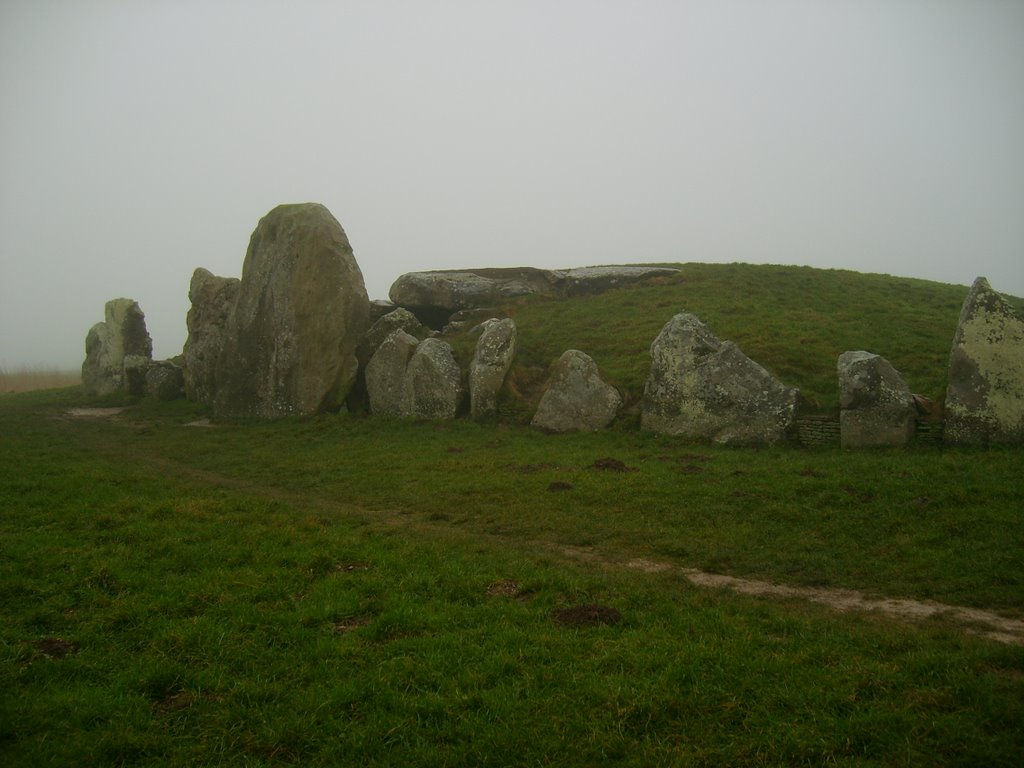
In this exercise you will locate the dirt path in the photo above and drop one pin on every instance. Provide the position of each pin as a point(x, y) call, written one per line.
point(976, 621)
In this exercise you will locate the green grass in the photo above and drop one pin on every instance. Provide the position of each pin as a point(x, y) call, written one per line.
point(316, 592)
point(795, 321)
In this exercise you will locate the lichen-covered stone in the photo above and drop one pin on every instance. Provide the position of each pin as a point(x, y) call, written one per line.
point(451, 290)
point(385, 373)
point(212, 298)
point(301, 311)
point(576, 398)
point(398, 319)
point(122, 332)
point(414, 379)
point(165, 380)
point(495, 350)
point(701, 388)
point(435, 295)
point(876, 406)
point(433, 382)
point(985, 394)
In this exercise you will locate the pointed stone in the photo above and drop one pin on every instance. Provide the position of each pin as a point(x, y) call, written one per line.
point(576, 399)
point(702, 388)
point(122, 333)
point(495, 350)
point(985, 394)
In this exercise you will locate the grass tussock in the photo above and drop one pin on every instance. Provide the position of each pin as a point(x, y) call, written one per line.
point(31, 378)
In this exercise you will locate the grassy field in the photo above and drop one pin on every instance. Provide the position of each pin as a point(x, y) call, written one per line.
point(358, 591)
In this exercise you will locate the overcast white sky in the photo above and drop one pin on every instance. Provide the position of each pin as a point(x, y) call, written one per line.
point(141, 139)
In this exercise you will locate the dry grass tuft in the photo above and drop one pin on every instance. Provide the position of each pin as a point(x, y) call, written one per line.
point(29, 378)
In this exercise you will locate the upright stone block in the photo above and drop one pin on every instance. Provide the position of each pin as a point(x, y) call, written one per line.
point(876, 405)
point(985, 393)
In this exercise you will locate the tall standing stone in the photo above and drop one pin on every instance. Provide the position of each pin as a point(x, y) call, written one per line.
point(495, 350)
point(876, 405)
point(301, 311)
point(985, 394)
point(576, 399)
point(701, 388)
point(122, 333)
point(212, 298)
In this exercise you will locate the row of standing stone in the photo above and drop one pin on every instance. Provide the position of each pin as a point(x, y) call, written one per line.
point(293, 336)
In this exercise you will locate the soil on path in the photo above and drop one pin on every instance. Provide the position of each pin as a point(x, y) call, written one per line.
point(976, 620)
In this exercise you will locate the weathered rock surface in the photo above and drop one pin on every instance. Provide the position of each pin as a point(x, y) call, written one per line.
point(291, 336)
point(397, 319)
point(165, 380)
point(379, 308)
point(985, 394)
point(135, 369)
point(877, 407)
point(433, 382)
point(436, 295)
point(495, 350)
point(702, 388)
point(385, 373)
point(417, 379)
point(122, 332)
point(212, 298)
point(576, 398)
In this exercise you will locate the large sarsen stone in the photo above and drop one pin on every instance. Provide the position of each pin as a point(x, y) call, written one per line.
point(577, 399)
point(495, 350)
point(433, 382)
point(290, 342)
point(705, 389)
point(121, 334)
point(876, 405)
point(985, 394)
point(435, 296)
point(212, 298)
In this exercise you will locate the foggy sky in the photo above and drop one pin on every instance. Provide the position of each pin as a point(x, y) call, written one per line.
point(140, 140)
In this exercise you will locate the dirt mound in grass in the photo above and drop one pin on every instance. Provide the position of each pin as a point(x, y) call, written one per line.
point(586, 616)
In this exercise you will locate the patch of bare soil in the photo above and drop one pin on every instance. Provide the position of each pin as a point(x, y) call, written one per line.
point(978, 621)
point(504, 588)
point(586, 616)
point(174, 702)
point(612, 464)
point(56, 647)
point(355, 622)
point(530, 469)
point(352, 567)
point(94, 413)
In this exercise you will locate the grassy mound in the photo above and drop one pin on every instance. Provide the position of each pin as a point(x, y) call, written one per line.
point(795, 321)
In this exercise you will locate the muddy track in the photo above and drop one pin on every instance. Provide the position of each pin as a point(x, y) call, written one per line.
point(973, 621)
